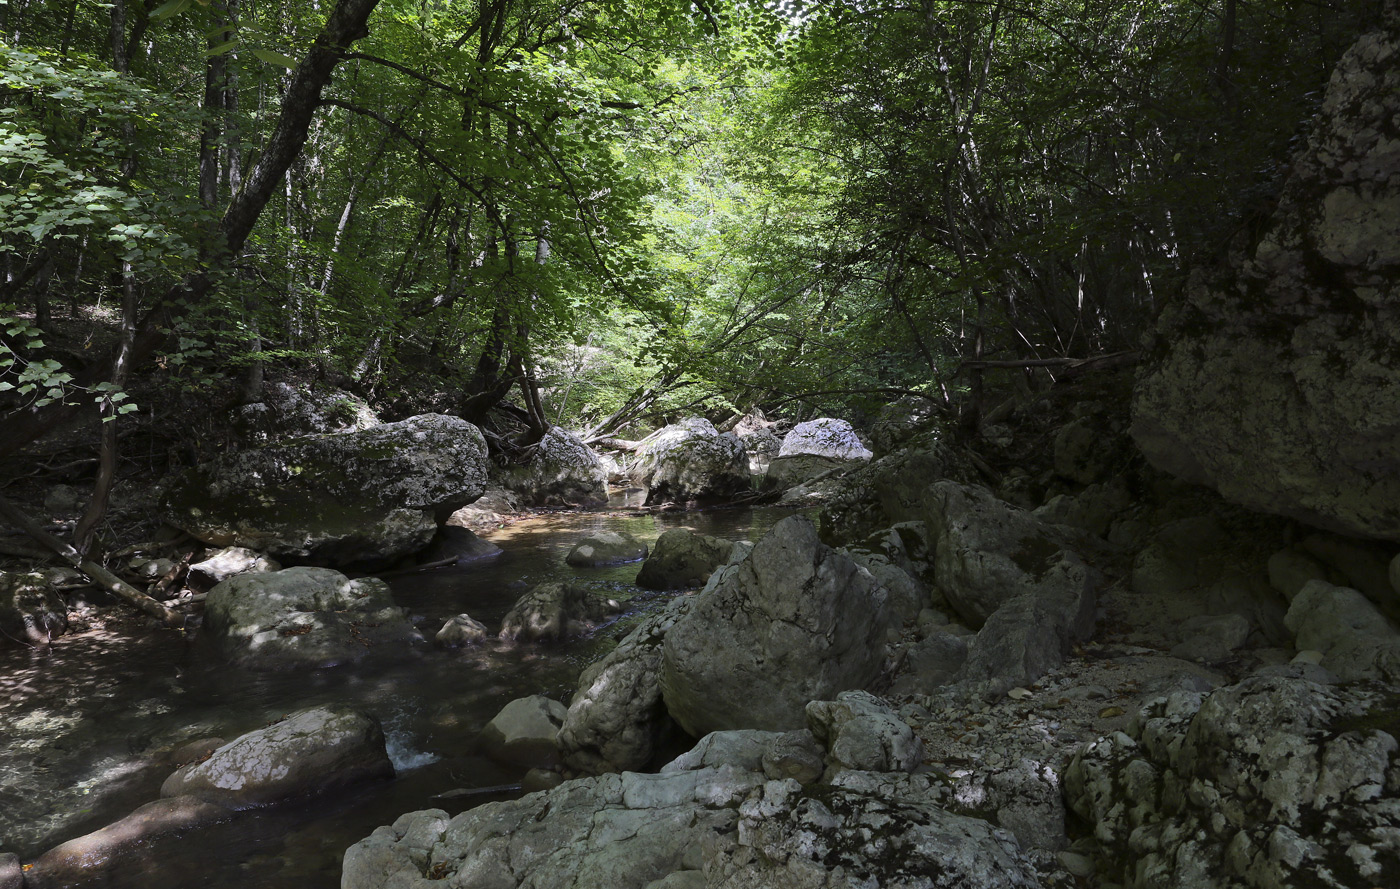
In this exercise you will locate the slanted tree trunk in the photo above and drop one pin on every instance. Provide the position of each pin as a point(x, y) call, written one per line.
point(347, 22)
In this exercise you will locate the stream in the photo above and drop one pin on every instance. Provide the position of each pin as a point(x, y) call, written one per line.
point(87, 725)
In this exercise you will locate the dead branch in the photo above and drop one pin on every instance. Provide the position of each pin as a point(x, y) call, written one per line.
point(104, 578)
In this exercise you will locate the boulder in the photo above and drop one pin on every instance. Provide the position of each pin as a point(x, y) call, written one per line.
point(683, 558)
point(287, 411)
point(691, 460)
point(461, 630)
point(489, 511)
point(931, 663)
point(82, 861)
point(890, 490)
point(860, 732)
point(1355, 638)
point(551, 612)
point(309, 752)
point(825, 437)
point(11, 873)
point(458, 545)
point(362, 498)
point(606, 548)
point(302, 617)
point(987, 552)
point(616, 719)
point(779, 755)
point(230, 562)
point(31, 610)
point(721, 827)
point(523, 733)
point(561, 471)
point(793, 622)
point(799, 469)
point(1275, 781)
point(761, 443)
point(1273, 381)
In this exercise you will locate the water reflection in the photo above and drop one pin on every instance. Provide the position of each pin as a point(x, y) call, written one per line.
point(87, 725)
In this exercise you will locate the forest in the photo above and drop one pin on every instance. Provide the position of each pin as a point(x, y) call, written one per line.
point(843, 443)
point(590, 214)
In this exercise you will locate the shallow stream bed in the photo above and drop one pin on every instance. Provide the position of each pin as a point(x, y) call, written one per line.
point(87, 725)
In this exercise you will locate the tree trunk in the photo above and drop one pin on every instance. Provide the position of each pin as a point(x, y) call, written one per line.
point(347, 23)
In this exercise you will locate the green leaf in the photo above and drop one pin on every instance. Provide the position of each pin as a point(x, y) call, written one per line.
point(275, 58)
point(223, 48)
point(169, 9)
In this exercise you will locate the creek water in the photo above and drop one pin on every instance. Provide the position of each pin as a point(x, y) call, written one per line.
point(87, 725)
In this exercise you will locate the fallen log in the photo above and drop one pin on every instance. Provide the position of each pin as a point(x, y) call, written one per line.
point(101, 576)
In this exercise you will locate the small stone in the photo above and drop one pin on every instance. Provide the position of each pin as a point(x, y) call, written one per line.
point(1308, 656)
point(1018, 693)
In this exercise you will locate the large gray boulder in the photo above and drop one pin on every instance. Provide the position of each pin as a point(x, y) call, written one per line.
point(31, 610)
point(302, 617)
point(793, 622)
point(1355, 639)
point(1274, 382)
point(560, 471)
point(551, 612)
point(725, 827)
point(890, 490)
point(683, 558)
point(286, 411)
point(309, 752)
point(987, 552)
point(826, 437)
point(1274, 782)
point(523, 733)
point(616, 717)
point(363, 498)
point(691, 460)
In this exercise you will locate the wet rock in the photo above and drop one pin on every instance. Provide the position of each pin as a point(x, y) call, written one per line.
point(11, 876)
point(309, 752)
point(302, 617)
point(229, 562)
point(723, 827)
point(1275, 782)
point(492, 509)
point(1355, 639)
point(288, 411)
point(616, 718)
point(826, 437)
point(460, 630)
point(84, 859)
point(553, 611)
point(683, 558)
point(794, 622)
point(691, 460)
point(363, 498)
point(561, 471)
point(860, 732)
point(31, 610)
point(606, 548)
point(458, 545)
point(523, 733)
point(1274, 381)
